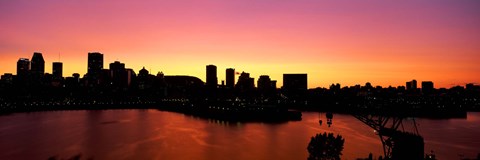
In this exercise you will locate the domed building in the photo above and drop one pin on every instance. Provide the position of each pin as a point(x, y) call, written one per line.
point(143, 73)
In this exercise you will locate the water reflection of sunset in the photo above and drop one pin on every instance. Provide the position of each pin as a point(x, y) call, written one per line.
point(153, 134)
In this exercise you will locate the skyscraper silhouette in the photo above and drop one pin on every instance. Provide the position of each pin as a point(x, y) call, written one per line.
point(95, 72)
point(57, 70)
point(230, 77)
point(95, 63)
point(23, 66)
point(38, 64)
point(118, 74)
point(212, 76)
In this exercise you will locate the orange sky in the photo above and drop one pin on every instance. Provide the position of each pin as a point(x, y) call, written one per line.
point(346, 42)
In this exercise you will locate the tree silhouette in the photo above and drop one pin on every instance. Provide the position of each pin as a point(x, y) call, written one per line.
point(325, 147)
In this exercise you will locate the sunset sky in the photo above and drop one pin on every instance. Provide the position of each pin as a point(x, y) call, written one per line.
point(350, 42)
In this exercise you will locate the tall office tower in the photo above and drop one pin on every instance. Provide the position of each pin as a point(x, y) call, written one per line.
point(212, 76)
point(23, 66)
point(230, 77)
point(118, 74)
point(95, 63)
point(57, 70)
point(37, 64)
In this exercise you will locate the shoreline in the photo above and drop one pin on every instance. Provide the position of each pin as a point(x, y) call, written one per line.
point(287, 114)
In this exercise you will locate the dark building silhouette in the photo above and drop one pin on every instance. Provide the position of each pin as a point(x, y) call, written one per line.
point(264, 83)
point(295, 81)
point(295, 86)
point(245, 87)
point(469, 86)
point(183, 81)
point(130, 76)
point(411, 85)
point(48, 80)
point(245, 82)
point(266, 87)
point(7, 78)
point(57, 70)
point(143, 73)
point(427, 87)
point(23, 67)
point(401, 88)
point(212, 76)
point(230, 77)
point(76, 76)
point(37, 64)
point(95, 63)
point(72, 83)
point(472, 87)
point(368, 85)
point(117, 66)
point(118, 74)
point(95, 72)
point(144, 79)
point(273, 84)
point(183, 86)
point(335, 87)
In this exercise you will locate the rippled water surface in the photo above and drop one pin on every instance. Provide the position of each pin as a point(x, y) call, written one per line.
point(153, 134)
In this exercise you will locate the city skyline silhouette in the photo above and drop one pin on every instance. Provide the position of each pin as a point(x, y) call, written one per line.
point(236, 79)
point(384, 43)
point(219, 80)
point(118, 85)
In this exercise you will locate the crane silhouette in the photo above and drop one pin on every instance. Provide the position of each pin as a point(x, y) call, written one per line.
point(397, 141)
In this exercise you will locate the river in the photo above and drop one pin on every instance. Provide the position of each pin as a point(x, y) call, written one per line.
point(154, 134)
